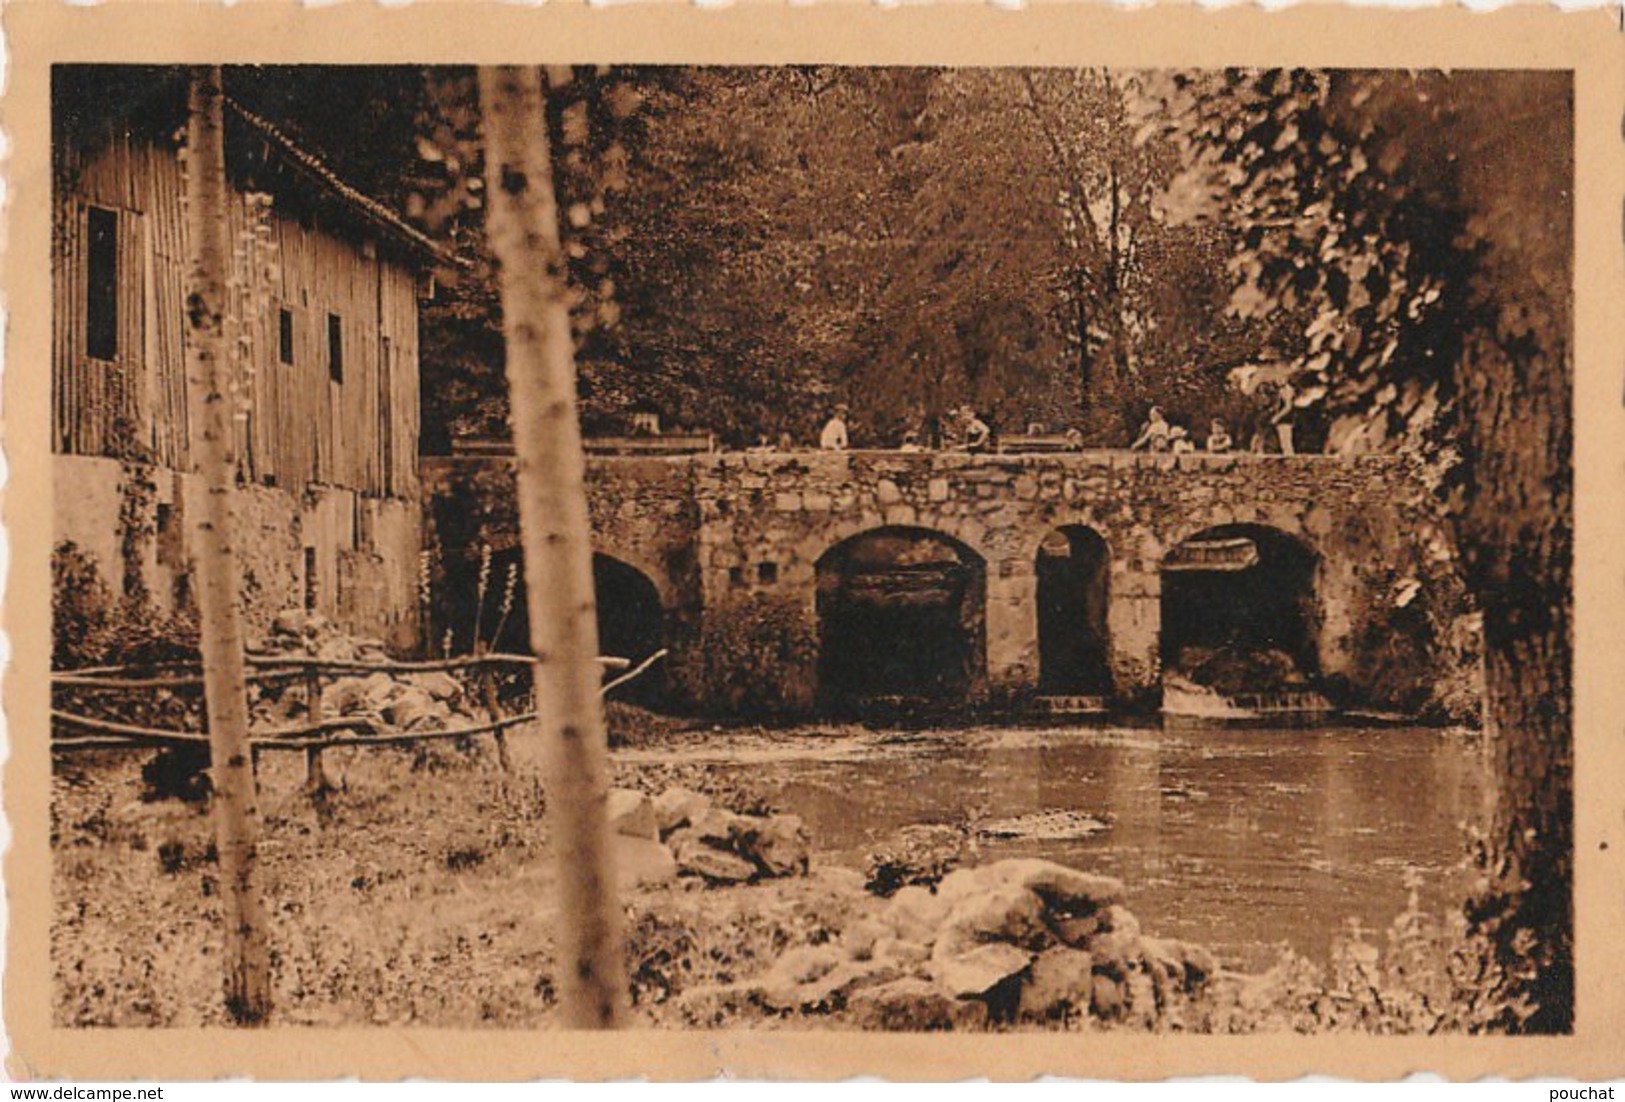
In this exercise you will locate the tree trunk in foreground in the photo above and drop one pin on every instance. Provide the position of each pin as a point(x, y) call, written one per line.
point(208, 375)
point(1516, 394)
point(1522, 523)
point(522, 225)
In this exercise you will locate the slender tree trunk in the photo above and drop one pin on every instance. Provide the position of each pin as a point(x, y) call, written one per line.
point(570, 744)
point(208, 374)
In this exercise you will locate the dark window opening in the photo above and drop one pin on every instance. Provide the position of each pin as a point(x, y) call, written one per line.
point(335, 348)
point(171, 551)
point(767, 572)
point(631, 624)
point(284, 330)
point(310, 579)
point(736, 575)
point(101, 289)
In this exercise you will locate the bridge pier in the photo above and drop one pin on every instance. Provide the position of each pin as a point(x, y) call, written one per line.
point(1012, 627)
point(1134, 632)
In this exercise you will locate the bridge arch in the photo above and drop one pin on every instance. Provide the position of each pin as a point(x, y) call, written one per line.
point(901, 613)
point(826, 535)
point(1072, 569)
point(1276, 518)
point(633, 619)
point(1239, 609)
point(656, 574)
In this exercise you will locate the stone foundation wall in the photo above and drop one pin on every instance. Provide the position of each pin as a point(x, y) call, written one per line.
point(134, 520)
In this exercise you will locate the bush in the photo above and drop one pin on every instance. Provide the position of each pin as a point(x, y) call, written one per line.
point(1428, 976)
point(81, 609)
point(757, 658)
point(91, 627)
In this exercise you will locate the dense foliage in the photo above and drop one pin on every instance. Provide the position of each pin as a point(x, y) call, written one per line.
point(982, 237)
point(1421, 225)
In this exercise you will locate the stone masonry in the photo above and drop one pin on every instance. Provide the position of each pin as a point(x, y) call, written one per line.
point(720, 534)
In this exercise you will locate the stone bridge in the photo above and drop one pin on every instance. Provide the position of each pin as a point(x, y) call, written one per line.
point(1061, 560)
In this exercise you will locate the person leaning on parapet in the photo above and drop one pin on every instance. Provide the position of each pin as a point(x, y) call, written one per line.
point(1179, 441)
point(1153, 434)
point(833, 438)
point(977, 434)
point(1218, 438)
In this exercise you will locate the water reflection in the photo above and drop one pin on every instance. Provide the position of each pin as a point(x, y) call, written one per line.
point(1243, 839)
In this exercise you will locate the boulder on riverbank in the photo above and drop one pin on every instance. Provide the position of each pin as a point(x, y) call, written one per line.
point(716, 845)
point(1015, 940)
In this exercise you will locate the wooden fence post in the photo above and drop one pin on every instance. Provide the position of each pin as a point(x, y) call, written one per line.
point(315, 774)
point(487, 678)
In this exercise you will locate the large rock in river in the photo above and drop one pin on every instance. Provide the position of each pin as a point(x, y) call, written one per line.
point(1061, 982)
point(1005, 913)
point(915, 913)
point(1064, 890)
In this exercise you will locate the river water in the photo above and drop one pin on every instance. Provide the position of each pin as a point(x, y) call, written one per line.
point(1243, 839)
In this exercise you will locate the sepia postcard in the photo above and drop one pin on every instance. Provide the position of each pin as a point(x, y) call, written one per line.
point(927, 541)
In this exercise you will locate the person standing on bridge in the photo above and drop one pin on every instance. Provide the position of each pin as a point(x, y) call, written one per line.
point(834, 438)
point(1153, 434)
point(1282, 418)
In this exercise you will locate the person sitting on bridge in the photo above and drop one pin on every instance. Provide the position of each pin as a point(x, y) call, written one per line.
point(1179, 441)
point(1218, 438)
point(977, 433)
point(834, 438)
point(1153, 434)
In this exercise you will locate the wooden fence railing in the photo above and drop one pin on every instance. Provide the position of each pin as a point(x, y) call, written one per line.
point(71, 731)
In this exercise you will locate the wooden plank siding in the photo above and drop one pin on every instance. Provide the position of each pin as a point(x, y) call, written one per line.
point(296, 427)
